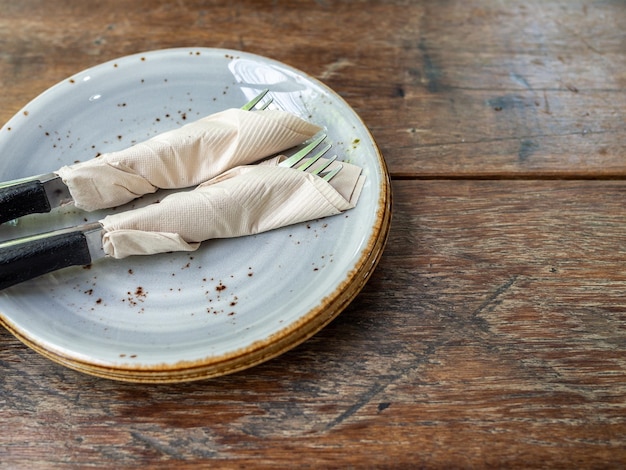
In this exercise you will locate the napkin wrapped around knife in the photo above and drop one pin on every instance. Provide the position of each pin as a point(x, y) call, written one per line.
point(183, 157)
point(243, 201)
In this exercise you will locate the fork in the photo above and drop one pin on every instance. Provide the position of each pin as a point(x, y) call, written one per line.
point(297, 157)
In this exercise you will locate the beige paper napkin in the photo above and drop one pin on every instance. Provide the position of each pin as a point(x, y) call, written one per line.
point(184, 157)
point(243, 201)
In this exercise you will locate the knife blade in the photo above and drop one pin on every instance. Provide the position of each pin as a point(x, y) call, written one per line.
point(29, 257)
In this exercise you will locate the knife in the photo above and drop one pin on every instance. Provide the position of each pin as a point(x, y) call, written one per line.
point(26, 258)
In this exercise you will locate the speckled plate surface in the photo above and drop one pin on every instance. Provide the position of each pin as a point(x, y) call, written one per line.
point(185, 316)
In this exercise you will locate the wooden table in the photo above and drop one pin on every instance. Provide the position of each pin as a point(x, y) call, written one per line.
point(492, 332)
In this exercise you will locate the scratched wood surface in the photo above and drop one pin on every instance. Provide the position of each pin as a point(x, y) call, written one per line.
point(492, 332)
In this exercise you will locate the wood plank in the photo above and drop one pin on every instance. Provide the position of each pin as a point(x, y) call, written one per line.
point(533, 89)
point(491, 334)
point(488, 89)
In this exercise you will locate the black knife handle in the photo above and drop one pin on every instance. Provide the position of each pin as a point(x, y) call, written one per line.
point(29, 259)
point(22, 199)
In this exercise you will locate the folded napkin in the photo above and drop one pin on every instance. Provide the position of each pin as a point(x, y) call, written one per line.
point(184, 157)
point(243, 201)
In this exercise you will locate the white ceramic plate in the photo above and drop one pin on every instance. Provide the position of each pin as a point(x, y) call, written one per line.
point(185, 316)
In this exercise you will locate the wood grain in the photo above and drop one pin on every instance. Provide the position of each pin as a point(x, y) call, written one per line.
point(480, 90)
point(491, 335)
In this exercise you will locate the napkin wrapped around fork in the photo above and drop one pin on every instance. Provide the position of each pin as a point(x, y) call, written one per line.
point(243, 201)
point(183, 157)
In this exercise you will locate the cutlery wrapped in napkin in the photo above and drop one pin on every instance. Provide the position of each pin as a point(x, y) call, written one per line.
point(243, 201)
point(183, 157)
